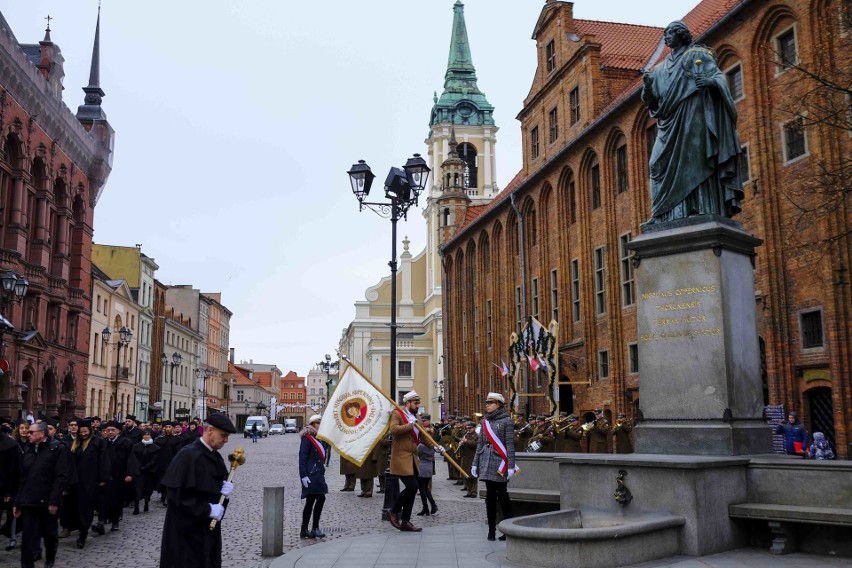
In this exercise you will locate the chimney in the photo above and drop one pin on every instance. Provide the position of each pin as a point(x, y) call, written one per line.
point(231, 358)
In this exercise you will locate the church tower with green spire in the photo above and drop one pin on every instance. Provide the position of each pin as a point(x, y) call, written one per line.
point(461, 132)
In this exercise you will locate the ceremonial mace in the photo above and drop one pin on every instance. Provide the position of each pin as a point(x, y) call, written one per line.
point(237, 459)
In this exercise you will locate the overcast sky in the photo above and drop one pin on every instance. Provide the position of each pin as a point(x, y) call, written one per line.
point(237, 120)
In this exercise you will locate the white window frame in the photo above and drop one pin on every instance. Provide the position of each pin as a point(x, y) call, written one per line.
point(535, 298)
point(728, 72)
point(788, 160)
point(780, 67)
point(554, 295)
point(630, 368)
point(603, 364)
point(628, 275)
point(600, 281)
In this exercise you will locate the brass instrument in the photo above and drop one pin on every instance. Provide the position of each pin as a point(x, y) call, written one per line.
point(560, 430)
point(477, 418)
point(618, 424)
point(527, 425)
point(587, 427)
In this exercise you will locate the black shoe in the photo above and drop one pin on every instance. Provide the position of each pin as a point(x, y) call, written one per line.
point(423, 512)
point(11, 545)
point(99, 528)
point(318, 532)
point(114, 527)
point(307, 534)
point(136, 509)
point(501, 537)
point(381, 491)
point(491, 535)
point(434, 508)
point(81, 541)
point(146, 506)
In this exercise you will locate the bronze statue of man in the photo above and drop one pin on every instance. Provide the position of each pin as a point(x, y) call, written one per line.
point(695, 156)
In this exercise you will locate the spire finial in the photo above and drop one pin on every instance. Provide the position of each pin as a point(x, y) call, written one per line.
point(47, 30)
point(91, 107)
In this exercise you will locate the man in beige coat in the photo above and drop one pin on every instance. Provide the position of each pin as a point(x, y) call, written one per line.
point(404, 461)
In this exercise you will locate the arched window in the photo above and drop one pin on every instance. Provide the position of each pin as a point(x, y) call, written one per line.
point(620, 163)
point(467, 152)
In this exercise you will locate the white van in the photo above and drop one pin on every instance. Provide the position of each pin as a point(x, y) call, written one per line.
point(290, 425)
point(262, 426)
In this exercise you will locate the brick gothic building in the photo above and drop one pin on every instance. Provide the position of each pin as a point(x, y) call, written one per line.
point(552, 244)
point(53, 167)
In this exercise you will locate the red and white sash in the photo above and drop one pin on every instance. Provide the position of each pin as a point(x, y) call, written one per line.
point(415, 433)
point(498, 446)
point(318, 447)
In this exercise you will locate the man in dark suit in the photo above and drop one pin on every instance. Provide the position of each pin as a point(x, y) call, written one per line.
point(122, 468)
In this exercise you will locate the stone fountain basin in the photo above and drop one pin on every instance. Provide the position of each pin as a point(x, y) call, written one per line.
point(589, 539)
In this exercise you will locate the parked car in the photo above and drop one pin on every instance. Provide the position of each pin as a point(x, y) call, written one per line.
point(290, 425)
point(276, 429)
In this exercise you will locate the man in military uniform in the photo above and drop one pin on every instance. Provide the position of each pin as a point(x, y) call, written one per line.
point(348, 470)
point(467, 449)
point(573, 436)
point(544, 433)
point(380, 454)
point(524, 434)
point(599, 434)
point(449, 442)
point(366, 475)
point(621, 430)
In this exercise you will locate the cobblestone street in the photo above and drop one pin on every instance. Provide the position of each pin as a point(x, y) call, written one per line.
point(270, 462)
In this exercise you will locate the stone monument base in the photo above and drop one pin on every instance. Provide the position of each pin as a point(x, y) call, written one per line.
point(699, 363)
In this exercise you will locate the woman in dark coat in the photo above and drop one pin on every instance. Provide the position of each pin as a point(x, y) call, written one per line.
point(424, 476)
point(494, 460)
point(147, 454)
point(88, 452)
point(312, 454)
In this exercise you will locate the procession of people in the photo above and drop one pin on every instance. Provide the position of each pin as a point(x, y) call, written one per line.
point(78, 477)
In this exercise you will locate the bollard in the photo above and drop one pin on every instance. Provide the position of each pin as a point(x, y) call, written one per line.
point(272, 536)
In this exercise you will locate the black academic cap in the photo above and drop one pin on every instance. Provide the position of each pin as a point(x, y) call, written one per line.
point(222, 422)
point(111, 423)
point(84, 423)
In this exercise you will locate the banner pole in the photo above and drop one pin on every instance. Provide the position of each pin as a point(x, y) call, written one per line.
point(416, 423)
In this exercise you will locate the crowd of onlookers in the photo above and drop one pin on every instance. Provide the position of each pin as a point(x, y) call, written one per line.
point(77, 477)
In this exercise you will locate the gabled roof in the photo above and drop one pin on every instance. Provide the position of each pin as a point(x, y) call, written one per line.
point(623, 46)
point(477, 211)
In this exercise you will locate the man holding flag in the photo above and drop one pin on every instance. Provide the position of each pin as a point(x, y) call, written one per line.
point(404, 461)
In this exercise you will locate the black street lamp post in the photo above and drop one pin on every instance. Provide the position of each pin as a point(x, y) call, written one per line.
point(203, 375)
point(327, 365)
point(124, 336)
point(13, 290)
point(176, 360)
point(402, 188)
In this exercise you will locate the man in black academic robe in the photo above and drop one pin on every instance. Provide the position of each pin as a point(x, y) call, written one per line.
point(194, 482)
point(122, 470)
point(93, 472)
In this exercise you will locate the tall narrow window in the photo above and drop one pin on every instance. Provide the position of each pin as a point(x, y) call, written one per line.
point(518, 314)
point(475, 328)
point(603, 364)
point(621, 168)
point(633, 357)
point(535, 297)
point(600, 281)
point(795, 143)
point(628, 288)
point(554, 296)
point(532, 228)
point(572, 200)
point(735, 81)
point(488, 324)
point(574, 103)
point(575, 290)
point(464, 332)
point(553, 117)
point(550, 55)
point(595, 183)
point(467, 152)
point(744, 165)
point(786, 47)
point(811, 329)
point(534, 143)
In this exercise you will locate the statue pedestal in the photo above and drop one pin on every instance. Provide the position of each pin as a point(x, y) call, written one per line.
point(700, 387)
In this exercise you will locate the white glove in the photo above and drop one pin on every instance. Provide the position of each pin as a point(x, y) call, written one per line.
point(473, 469)
point(217, 511)
point(306, 481)
point(227, 488)
point(440, 449)
point(510, 473)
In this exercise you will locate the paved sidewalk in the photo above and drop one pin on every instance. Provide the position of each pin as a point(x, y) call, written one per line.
point(465, 546)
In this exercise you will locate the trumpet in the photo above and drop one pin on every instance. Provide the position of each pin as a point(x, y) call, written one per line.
point(524, 428)
point(587, 427)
